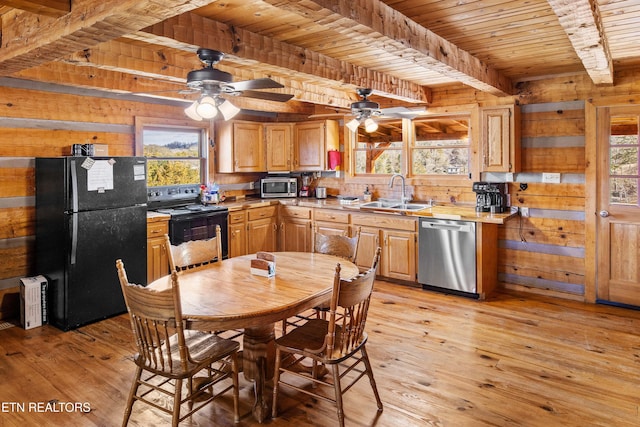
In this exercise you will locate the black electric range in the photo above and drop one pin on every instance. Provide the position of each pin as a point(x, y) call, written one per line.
point(190, 220)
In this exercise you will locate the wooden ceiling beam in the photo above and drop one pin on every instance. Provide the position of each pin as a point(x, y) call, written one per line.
point(397, 34)
point(170, 64)
point(245, 48)
point(29, 40)
point(53, 8)
point(582, 22)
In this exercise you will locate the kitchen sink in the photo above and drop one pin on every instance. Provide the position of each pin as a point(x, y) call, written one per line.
point(394, 206)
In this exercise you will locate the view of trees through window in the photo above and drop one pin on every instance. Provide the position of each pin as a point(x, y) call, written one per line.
point(437, 146)
point(624, 158)
point(173, 156)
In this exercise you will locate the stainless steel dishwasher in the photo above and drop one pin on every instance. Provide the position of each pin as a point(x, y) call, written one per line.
point(447, 255)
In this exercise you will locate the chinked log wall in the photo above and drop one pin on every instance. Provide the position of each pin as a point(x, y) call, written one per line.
point(544, 253)
point(45, 123)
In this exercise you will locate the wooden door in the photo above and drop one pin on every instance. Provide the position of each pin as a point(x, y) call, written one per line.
point(295, 235)
point(309, 146)
point(262, 236)
point(278, 147)
point(237, 240)
point(618, 208)
point(367, 245)
point(399, 255)
point(248, 147)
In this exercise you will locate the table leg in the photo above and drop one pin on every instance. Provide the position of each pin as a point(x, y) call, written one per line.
point(258, 365)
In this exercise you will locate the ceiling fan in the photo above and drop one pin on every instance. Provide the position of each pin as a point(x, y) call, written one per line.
point(213, 83)
point(364, 112)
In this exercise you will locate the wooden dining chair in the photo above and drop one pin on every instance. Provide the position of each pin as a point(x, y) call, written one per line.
point(330, 244)
point(168, 354)
point(339, 344)
point(194, 253)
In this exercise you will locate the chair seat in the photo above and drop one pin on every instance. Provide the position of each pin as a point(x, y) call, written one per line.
point(203, 347)
point(310, 336)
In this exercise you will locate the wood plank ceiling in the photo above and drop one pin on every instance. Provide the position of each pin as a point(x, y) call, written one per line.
point(320, 50)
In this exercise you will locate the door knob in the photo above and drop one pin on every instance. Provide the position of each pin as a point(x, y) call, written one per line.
point(604, 213)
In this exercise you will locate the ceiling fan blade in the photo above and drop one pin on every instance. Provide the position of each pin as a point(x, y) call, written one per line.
point(403, 112)
point(279, 97)
point(264, 83)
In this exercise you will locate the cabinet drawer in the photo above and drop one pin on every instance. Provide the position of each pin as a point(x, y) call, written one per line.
point(237, 217)
point(157, 229)
point(259, 213)
point(385, 221)
point(331, 216)
point(296, 212)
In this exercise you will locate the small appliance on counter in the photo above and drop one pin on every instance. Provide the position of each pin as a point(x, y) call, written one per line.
point(321, 192)
point(305, 188)
point(278, 186)
point(490, 196)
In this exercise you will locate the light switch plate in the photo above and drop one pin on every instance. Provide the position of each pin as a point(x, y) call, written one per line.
point(552, 178)
point(508, 177)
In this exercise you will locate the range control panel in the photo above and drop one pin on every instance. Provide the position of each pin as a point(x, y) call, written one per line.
point(172, 195)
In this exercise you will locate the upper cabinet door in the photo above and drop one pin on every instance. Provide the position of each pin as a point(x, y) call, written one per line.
point(278, 147)
point(311, 143)
point(240, 147)
point(500, 138)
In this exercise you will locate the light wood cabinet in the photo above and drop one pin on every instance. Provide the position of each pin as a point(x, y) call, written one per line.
point(500, 138)
point(240, 147)
point(278, 146)
point(262, 229)
point(397, 238)
point(331, 222)
point(157, 260)
point(237, 233)
point(311, 143)
point(295, 229)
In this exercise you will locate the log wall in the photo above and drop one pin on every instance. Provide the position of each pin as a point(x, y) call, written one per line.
point(544, 253)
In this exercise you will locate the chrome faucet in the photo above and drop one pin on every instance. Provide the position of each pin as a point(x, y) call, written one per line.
point(405, 199)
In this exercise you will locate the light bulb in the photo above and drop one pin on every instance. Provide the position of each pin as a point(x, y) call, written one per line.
point(191, 112)
point(370, 125)
point(207, 107)
point(228, 110)
point(353, 125)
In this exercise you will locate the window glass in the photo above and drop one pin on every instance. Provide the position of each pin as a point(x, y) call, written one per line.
point(624, 158)
point(381, 151)
point(174, 155)
point(440, 146)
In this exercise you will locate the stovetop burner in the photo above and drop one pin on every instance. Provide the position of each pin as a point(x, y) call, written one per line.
point(191, 209)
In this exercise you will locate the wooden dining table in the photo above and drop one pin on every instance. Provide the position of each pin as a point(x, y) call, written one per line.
point(227, 295)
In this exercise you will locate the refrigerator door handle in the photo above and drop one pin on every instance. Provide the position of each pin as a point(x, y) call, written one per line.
point(74, 187)
point(74, 237)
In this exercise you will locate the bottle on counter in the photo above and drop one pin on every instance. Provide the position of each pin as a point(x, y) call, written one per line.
point(367, 194)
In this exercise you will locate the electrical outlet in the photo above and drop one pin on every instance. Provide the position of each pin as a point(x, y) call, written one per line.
point(524, 212)
point(553, 178)
point(252, 185)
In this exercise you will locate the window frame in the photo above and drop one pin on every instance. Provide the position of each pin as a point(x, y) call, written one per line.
point(471, 111)
point(206, 127)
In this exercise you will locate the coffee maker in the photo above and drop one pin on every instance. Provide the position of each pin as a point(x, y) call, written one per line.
point(490, 196)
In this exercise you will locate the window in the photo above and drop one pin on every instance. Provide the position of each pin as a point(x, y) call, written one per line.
point(427, 146)
point(440, 146)
point(624, 160)
point(176, 152)
point(379, 152)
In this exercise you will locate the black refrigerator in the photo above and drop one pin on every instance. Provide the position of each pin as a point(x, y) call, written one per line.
point(90, 211)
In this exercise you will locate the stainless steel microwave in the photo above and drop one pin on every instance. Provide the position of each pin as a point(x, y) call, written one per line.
point(278, 187)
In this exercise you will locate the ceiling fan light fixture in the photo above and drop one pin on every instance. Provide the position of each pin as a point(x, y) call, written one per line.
point(353, 125)
point(370, 125)
point(191, 112)
point(207, 107)
point(228, 110)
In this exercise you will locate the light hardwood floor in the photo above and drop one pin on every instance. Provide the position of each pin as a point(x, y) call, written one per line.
point(439, 360)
